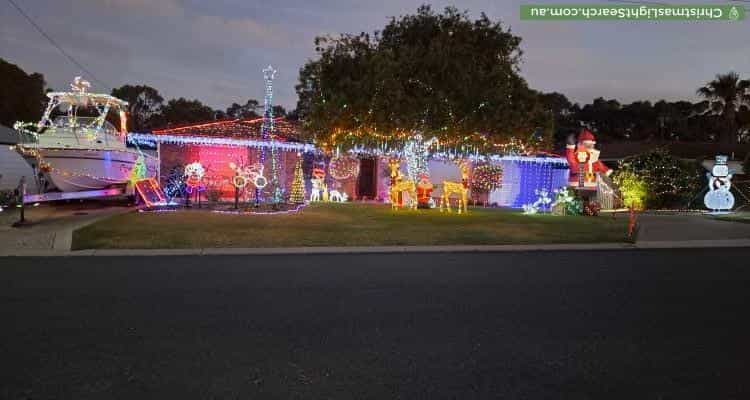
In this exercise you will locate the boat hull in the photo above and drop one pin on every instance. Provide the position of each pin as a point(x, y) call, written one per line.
point(73, 170)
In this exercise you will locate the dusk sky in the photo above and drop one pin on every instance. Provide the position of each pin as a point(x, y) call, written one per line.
point(214, 50)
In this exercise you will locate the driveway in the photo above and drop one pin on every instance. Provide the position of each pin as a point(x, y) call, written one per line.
point(689, 227)
point(50, 225)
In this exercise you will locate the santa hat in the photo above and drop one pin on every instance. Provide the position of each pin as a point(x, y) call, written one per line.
point(586, 136)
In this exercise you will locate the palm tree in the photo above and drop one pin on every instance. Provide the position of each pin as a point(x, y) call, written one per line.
point(726, 96)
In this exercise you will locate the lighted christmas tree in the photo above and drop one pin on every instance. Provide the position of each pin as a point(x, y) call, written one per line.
point(298, 184)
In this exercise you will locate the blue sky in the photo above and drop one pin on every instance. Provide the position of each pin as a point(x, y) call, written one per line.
point(215, 50)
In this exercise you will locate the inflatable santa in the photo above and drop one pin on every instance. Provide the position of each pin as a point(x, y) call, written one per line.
point(583, 160)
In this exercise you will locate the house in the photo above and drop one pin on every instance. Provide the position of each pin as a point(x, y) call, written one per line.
point(218, 145)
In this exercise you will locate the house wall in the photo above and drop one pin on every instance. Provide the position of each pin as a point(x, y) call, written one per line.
point(216, 159)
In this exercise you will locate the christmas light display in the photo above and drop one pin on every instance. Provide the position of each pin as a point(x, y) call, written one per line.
point(297, 194)
point(399, 186)
point(139, 170)
point(151, 139)
point(719, 196)
point(268, 75)
point(194, 173)
point(416, 152)
point(566, 203)
point(633, 189)
point(337, 196)
point(523, 175)
point(459, 188)
point(78, 153)
point(175, 185)
point(403, 186)
point(248, 174)
point(424, 191)
point(668, 179)
point(543, 203)
point(486, 178)
point(343, 167)
point(319, 191)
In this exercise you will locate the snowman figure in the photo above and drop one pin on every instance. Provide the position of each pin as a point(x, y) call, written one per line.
point(719, 197)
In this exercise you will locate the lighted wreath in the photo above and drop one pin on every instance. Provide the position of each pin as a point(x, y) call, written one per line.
point(343, 167)
point(486, 178)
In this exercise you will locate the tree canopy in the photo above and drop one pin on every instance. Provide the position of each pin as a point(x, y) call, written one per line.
point(22, 95)
point(144, 102)
point(728, 97)
point(441, 73)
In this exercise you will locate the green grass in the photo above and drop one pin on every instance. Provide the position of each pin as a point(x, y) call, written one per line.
point(343, 225)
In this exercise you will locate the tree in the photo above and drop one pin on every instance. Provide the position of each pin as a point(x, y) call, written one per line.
point(143, 103)
point(563, 114)
point(182, 111)
point(727, 96)
point(22, 96)
point(297, 194)
point(278, 111)
point(442, 73)
point(247, 110)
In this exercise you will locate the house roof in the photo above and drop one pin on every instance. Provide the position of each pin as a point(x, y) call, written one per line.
point(283, 130)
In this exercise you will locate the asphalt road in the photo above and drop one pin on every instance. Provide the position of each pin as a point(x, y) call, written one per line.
point(654, 324)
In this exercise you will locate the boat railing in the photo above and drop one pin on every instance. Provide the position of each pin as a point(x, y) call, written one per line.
point(26, 137)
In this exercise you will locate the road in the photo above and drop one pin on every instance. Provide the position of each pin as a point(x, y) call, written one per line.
point(638, 324)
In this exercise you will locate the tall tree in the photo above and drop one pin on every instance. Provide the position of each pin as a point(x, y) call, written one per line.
point(143, 103)
point(442, 73)
point(279, 111)
point(563, 114)
point(22, 95)
point(247, 110)
point(182, 111)
point(727, 96)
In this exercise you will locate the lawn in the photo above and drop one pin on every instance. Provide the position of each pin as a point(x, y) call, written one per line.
point(343, 225)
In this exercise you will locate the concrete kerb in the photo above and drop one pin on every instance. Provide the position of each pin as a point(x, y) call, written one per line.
point(384, 249)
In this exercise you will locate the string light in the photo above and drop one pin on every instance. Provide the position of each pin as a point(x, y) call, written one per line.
point(343, 167)
point(297, 194)
point(150, 139)
point(416, 152)
point(486, 178)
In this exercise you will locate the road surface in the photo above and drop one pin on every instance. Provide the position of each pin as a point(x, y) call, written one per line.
point(638, 324)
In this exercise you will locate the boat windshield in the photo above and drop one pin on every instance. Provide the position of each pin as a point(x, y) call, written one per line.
point(64, 121)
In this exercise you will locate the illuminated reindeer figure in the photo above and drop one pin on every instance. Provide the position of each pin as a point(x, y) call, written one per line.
point(399, 185)
point(459, 188)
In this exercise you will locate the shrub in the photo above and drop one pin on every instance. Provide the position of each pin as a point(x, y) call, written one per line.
point(633, 188)
point(670, 182)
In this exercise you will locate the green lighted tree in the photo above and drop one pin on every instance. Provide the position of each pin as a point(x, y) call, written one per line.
point(297, 195)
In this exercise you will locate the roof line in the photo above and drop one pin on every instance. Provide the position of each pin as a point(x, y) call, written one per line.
point(204, 124)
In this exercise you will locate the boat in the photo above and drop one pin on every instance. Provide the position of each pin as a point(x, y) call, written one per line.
point(74, 146)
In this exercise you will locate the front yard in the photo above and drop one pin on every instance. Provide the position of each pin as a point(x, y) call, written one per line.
point(343, 225)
